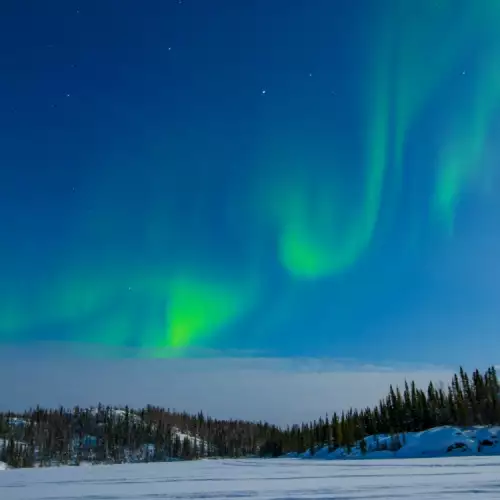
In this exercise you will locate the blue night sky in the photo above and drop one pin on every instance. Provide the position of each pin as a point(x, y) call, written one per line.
point(250, 179)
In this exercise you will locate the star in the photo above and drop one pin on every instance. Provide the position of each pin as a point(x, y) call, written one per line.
point(263, 91)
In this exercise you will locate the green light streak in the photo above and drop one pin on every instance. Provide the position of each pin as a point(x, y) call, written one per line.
point(198, 307)
point(460, 157)
point(410, 42)
point(322, 223)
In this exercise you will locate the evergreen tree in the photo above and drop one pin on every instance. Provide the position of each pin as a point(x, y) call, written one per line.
point(362, 446)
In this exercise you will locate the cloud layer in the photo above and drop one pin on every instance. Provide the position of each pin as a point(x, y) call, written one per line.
point(282, 391)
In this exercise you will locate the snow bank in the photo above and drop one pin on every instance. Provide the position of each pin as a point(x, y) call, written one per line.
point(436, 442)
point(3, 466)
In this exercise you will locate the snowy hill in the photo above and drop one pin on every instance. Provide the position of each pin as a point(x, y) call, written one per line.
point(436, 442)
point(83, 447)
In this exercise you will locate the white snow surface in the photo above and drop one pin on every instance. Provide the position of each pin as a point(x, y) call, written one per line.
point(271, 479)
point(437, 442)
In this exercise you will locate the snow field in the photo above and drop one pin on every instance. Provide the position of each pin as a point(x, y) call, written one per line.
point(278, 479)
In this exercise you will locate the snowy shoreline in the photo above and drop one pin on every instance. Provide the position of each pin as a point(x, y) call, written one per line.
point(433, 443)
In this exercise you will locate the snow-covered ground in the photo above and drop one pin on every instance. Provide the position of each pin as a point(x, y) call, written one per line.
point(280, 479)
point(437, 442)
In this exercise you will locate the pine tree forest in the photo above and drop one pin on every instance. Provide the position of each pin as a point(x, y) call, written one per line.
point(110, 435)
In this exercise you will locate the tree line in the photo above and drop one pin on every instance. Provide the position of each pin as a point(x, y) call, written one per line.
point(110, 435)
point(467, 401)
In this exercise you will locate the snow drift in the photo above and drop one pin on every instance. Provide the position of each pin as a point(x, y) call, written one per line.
point(436, 442)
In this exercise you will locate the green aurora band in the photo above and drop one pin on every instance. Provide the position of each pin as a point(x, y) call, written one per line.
point(462, 155)
point(409, 63)
point(319, 231)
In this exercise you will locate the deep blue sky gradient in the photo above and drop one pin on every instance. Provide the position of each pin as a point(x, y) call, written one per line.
point(119, 118)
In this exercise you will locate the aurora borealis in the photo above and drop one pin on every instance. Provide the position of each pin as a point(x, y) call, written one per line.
point(254, 176)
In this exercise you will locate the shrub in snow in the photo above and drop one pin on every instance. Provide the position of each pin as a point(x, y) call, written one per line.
point(457, 446)
point(486, 442)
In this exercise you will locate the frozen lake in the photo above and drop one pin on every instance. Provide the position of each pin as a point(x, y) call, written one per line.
point(422, 479)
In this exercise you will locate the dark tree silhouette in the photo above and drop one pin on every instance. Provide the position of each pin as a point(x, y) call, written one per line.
point(116, 435)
